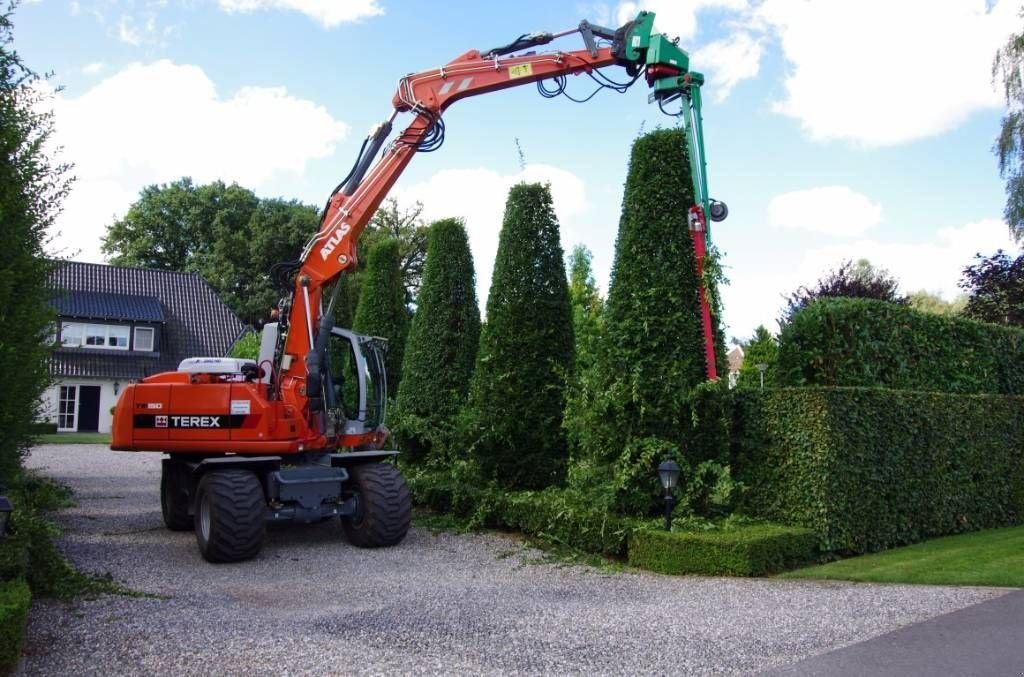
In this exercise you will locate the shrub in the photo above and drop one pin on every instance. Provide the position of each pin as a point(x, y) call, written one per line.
point(749, 550)
point(860, 342)
point(526, 350)
point(869, 469)
point(15, 598)
point(632, 405)
point(381, 310)
point(442, 342)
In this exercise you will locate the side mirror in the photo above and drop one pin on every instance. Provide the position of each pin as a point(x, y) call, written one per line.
point(719, 211)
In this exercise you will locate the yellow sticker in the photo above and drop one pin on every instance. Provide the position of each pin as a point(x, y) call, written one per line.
point(520, 71)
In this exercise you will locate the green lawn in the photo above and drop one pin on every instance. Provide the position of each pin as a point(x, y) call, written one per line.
point(75, 438)
point(992, 557)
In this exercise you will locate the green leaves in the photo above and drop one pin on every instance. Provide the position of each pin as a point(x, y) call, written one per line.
point(870, 468)
point(381, 310)
point(442, 343)
point(862, 342)
point(517, 393)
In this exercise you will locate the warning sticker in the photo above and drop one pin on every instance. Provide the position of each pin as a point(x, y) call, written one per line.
point(520, 71)
point(239, 407)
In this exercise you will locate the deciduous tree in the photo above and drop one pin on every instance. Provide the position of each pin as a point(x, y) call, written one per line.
point(1008, 68)
point(995, 288)
point(859, 280)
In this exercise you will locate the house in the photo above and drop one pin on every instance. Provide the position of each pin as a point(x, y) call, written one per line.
point(735, 358)
point(117, 325)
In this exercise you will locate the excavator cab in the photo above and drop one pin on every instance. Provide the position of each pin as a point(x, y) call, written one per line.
point(357, 382)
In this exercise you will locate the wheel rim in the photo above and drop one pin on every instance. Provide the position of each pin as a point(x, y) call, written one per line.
point(204, 519)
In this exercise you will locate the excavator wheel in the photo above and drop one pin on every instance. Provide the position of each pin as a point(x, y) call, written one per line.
point(174, 496)
point(384, 506)
point(230, 518)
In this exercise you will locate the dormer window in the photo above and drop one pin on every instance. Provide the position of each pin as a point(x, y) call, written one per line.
point(80, 334)
point(144, 338)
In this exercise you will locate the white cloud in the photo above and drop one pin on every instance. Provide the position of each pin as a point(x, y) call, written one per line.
point(93, 68)
point(728, 62)
point(158, 122)
point(134, 32)
point(832, 210)
point(677, 18)
point(879, 73)
point(935, 266)
point(328, 13)
point(478, 196)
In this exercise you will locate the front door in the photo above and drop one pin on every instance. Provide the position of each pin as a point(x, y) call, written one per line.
point(88, 409)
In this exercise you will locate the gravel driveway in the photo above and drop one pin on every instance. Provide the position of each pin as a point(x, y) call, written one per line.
point(311, 603)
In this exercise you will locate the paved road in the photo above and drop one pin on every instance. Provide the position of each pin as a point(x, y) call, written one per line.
point(311, 603)
point(984, 639)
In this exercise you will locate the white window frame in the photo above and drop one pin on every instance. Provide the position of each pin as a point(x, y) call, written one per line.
point(126, 330)
point(96, 329)
point(152, 339)
point(75, 399)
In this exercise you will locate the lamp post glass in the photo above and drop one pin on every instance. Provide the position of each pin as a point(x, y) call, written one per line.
point(669, 472)
point(761, 367)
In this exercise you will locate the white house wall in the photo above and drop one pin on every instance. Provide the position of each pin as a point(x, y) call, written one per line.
point(107, 400)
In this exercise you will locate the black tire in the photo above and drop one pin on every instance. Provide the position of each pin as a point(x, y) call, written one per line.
point(174, 478)
point(230, 516)
point(384, 506)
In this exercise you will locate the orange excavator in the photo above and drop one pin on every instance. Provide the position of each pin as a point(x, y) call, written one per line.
point(298, 434)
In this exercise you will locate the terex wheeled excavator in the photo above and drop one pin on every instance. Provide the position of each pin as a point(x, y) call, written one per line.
point(298, 435)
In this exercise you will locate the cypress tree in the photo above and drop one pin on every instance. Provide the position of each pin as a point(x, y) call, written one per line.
point(517, 392)
point(586, 303)
point(381, 310)
point(631, 408)
point(442, 343)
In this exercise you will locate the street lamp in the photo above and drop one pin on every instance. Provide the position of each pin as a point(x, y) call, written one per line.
point(761, 367)
point(669, 471)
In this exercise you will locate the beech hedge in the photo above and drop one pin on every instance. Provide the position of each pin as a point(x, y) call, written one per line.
point(871, 468)
point(15, 598)
point(863, 342)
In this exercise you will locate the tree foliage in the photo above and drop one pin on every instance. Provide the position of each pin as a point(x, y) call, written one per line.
point(381, 310)
point(928, 302)
point(995, 288)
point(763, 348)
point(859, 280)
point(32, 186)
point(222, 232)
point(442, 344)
point(526, 349)
point(232, 238)
point(587, 305)
point(1008, 67)
point(632, 407)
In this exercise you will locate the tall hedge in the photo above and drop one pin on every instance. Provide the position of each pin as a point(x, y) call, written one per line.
point(862, 342)
point(32, 186)
point(442, 343)
point(631, 408)
point(871, 468)
point(526, 350)
point(381, 310)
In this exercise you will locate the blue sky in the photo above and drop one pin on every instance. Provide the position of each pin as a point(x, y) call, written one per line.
point(839, 129)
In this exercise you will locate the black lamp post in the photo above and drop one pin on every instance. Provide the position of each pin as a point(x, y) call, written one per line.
point(669, 471)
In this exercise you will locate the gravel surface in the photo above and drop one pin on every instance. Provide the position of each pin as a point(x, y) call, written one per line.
point(311, 603)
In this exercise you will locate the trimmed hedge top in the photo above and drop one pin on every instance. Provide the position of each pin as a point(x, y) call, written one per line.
point(862, 342)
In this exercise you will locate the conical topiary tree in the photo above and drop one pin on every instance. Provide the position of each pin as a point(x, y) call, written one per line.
point(381, 310)
point(526, 350)
point(442, 343)
point(632, 407)
point(586, 303)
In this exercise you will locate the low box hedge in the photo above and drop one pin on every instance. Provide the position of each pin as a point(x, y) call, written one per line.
point(869, 343)
point(15, 598)
point(749, 550)
point(868, 469)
